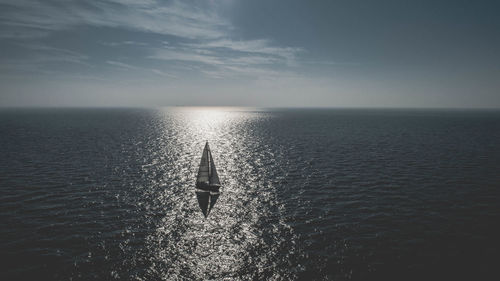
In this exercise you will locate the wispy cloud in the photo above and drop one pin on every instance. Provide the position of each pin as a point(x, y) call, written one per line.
point(47, 53)
point(43, 59)
point(202, 39)
point(177, 18)
point(262, 47)
point(125, 66)
point(228, 58)
point(219, 64)
point(124, 43)
point(181, 54)
point(121, 65)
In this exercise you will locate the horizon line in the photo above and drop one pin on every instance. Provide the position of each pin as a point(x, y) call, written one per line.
point(242, 107)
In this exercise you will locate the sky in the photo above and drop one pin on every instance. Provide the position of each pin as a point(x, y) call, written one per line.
point(259, 53)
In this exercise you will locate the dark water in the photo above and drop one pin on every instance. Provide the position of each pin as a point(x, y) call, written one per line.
point(307, 194)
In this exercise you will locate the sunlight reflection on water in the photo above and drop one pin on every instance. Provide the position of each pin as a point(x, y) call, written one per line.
point(244, 233)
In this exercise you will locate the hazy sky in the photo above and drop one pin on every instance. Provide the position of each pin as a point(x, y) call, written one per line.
point(250, 53)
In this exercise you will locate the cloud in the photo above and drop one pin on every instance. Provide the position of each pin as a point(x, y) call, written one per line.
point(56, 54)
point(121, 65)
point(217, 64)
point(176, 18)
point(162, 73)
point(125, 66)
point(198, 37)
point(124, 43)
point(260, 46)
point(44, 59)
point(250, 51)
point(228, 58)
point(180, 54)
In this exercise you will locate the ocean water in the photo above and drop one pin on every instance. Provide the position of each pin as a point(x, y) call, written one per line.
point(337, 194)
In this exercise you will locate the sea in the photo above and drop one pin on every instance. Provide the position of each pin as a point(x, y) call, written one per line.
point(307, 194)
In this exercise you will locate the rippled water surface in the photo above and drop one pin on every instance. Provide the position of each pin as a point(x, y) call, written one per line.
point(307, 194)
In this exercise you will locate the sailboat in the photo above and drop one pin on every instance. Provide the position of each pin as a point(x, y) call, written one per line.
point(207, 182)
